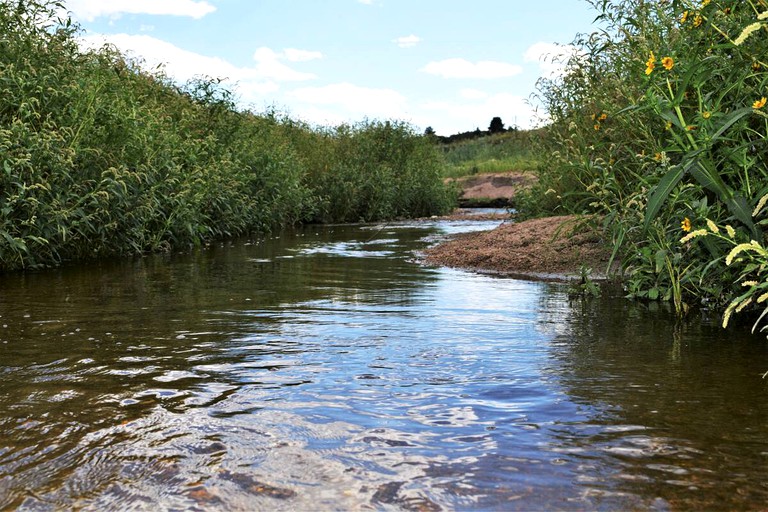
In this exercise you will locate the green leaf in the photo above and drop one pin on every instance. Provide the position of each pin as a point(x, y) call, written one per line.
point(730, 120)
point(703, 172)
point(739, 208)
point(662, 190)
point(661, 256)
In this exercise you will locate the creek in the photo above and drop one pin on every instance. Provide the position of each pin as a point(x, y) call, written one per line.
point(327, 369)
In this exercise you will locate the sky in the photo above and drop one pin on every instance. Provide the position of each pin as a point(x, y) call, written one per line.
point(451, 65)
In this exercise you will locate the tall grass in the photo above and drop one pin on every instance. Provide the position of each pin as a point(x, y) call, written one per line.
point(508, 151)
point(660, 127)
point(98, 157)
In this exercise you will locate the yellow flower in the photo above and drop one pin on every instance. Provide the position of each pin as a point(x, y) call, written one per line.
point(668, 126)
point(668, 63)
point(690, 128)
point(686, 225)
point(650, 64)
point(684, 17)
point(755, 66)
point(697, 21)
point(705, 3)
point(759, 103)
point(603, 117)
point(597, 127)
point(658, 157)
point(706, 114)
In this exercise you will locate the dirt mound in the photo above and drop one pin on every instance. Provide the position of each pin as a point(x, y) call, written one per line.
point(496, 188)
point(548, 248)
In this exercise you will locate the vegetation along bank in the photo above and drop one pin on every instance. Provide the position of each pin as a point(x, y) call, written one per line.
point(657, 137)
point(100, 158)
point(658, 133)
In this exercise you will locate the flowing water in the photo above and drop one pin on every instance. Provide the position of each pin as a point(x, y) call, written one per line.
point(326, 369)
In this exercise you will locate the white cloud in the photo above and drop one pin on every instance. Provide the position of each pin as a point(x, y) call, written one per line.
point(352, 101)
point(89, 10)
point(473, 94)
point(178, 63)
point(461, 68)
point(182, 64)
point(552, 58)
point(294, 55)
point(407, 41)
point(253, 84)
point(268, 65)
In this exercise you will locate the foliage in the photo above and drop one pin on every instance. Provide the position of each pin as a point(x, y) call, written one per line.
point(99, 157)
point(496, 126)
point(659, 126)
point(496, 153)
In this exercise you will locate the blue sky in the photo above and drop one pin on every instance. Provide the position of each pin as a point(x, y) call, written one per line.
point(449, 64)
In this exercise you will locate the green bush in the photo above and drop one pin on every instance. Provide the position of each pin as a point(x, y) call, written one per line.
point(100, 158)
point(659, 125)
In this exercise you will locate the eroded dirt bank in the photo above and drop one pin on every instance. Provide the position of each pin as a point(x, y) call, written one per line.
point(549, 248)
point(546, 248)
point(496, 189)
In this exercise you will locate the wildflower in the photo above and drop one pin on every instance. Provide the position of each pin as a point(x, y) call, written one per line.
point(727, 315)
point(650, 64)
point(762, 298)
point(748, 30)
point(760, 203)
point(668, 126)
point(697, 21)
point(755, 66)
point(603, 116)
point(684, 17)
point(658, 157)
point(690, 128)
point(694, 234)
point(706, 114)
point(730, 230)
point(712, 226)
point(597, 127)
point(743, 305)
point(668, 63)
point(705, 3)
point(686, 225)
point(751, 246)
point(759, 103)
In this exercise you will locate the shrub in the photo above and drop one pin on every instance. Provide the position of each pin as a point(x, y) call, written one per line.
point(659, 126)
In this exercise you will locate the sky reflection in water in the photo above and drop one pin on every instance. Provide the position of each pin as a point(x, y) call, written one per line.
point(327, 369)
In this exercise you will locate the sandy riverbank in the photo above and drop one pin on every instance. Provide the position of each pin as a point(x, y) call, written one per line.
point(546, 248)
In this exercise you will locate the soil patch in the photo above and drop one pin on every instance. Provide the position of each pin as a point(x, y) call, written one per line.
point(497, 189)
point(549, 248)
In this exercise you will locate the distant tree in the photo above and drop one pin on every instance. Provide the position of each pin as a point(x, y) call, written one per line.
point(496, 126)
point(429, 131)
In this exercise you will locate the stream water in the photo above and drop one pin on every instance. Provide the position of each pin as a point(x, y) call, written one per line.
point(326, 369)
